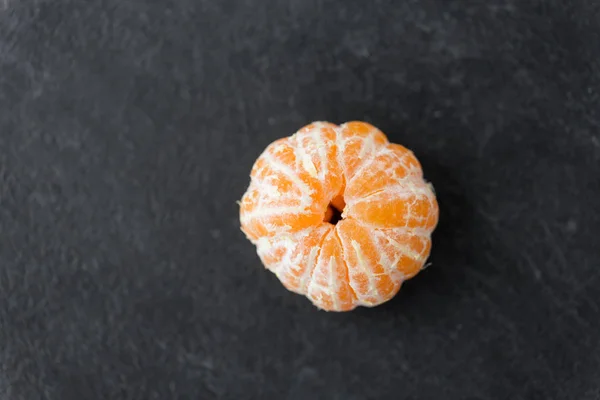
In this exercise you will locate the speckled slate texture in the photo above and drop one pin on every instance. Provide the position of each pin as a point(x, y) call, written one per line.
point(127, 132)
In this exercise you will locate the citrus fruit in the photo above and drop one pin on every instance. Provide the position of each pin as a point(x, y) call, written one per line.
point(385, 209)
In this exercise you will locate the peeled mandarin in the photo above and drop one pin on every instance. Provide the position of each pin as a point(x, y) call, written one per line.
point(386, 211)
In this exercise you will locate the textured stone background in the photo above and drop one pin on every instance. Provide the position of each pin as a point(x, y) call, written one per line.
point(127, 131)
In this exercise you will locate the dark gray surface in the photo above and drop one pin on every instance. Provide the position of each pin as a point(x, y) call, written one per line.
point(127, 132)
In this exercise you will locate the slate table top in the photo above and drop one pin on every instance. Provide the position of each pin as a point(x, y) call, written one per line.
point(127, 133)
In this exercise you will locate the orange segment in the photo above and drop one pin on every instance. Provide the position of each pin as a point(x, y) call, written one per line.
point(316, 155)
point(262, 215)
point(402, 250)
point(359, 142)
point(317, 124)
point(410, 205)
point(408, 159)
point(279, 166)
point(371, 282)
point(329, 288)
point(388, 167)
point(293, 257)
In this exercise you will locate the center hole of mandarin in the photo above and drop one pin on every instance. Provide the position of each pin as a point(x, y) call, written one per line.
point(334, 211)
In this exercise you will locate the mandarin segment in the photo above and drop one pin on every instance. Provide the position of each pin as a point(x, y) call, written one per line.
point(388, 214)
point(279, 163)
point(407, 158)
point(358, 143)
point(262, 216)
point(373, 281)
point(293, 257)
point(386, 168)
point(316, 154)
point(408, 205)
point(329, 287)
point(402, 250)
